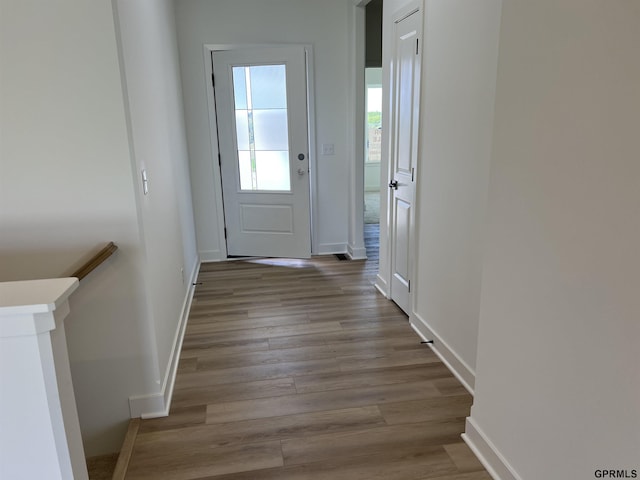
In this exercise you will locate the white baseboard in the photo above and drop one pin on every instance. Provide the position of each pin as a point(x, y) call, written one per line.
point(152, 405)
point(211, 256)
point(356, 253)
point(157, 404)
point(449, 357)
point(381, 286)
point(487, 453)
point(330, 248)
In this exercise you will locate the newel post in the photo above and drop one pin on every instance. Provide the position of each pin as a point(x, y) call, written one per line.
point(39, 428)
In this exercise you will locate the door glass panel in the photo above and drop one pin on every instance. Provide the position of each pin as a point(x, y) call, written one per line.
point(270, 129)
point(268, 86)
point(244, 164)
point(242, 129)
point(272, 170)
point(262, 133)
point(240, 90)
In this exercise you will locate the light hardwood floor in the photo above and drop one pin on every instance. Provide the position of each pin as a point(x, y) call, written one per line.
point(299, 369)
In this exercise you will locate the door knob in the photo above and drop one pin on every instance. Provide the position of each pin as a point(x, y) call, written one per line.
point(301, 171)
point(393, 184)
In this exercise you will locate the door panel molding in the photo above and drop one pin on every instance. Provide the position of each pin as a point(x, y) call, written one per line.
point(252, 218)
point(404, 92)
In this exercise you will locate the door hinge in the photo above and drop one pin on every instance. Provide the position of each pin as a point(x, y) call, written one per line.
point(219, 160)
point(413, 171)
point(409, 285)
point(417, 45)
point(225, 233)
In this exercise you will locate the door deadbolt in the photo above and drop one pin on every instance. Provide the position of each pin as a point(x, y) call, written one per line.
point(301, 156)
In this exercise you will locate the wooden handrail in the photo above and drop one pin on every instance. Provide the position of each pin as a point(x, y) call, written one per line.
point(95, 261)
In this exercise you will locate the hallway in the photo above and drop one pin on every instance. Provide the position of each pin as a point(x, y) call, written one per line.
point(300, 369)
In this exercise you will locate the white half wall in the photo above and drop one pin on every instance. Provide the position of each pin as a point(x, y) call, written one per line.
point(66, 188)
point(322, 24)
point(80, 113)
point(558, 367)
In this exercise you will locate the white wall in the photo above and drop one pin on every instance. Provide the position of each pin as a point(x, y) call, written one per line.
point(66, 188)
point(550, 263)
point(68, 183)
point(459, 62)
point(458, 91)
point(156, 121)
point(373, 76)
point(372, 177)
point(558, 369)
point(322, 24)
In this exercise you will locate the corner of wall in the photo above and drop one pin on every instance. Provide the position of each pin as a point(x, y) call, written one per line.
point(331, 248)
point(356, 253)
point(207, 256)
point(487, 453)
point(381, 285)
point(449, 357)
point(157, 404)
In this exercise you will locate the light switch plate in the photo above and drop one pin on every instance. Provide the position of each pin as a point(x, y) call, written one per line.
point(145, 182)
point(328, 149)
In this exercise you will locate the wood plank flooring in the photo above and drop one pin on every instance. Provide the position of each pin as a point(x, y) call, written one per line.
point(299, 369)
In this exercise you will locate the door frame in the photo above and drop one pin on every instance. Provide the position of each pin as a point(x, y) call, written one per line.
point(213, 135)
point(355, 242)
point(383, 279)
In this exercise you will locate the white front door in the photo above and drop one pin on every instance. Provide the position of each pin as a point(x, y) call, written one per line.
point(404, 138)
point(261, 105)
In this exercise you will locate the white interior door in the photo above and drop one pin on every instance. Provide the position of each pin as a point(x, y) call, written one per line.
point(404, 138)
point(261, 105)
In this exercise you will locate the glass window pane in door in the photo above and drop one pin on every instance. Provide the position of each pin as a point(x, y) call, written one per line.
point(270, 129)
point(240, 88)
point(272, 171)
point(268, 86)
point(262, 131)
point(242, 129)
point(246, 176)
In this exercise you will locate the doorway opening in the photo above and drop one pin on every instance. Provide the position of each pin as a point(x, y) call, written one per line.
point(372, 123)
point(373, 145)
